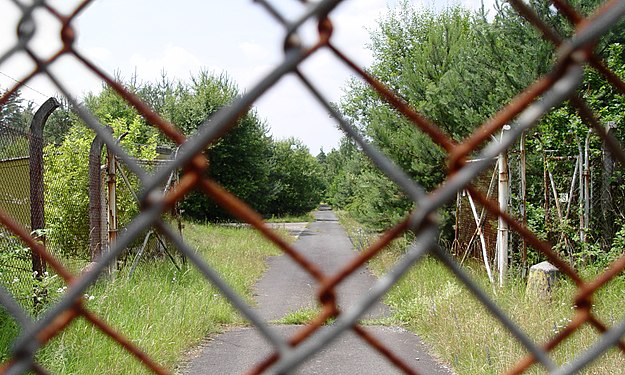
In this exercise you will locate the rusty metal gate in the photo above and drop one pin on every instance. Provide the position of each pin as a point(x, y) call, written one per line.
point(522, 112)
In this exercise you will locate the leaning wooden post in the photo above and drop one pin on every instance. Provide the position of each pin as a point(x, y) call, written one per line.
point(502, 228)
point(607, 207)
point(580, 163)
point(37, 218)
point(478, 225)
point(455, 246)
point(522, 172)
point(587, 195)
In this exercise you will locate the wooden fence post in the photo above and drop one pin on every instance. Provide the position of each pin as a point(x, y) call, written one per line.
point(502, 227)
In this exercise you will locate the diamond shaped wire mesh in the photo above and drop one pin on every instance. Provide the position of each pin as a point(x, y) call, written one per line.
point(522, 112)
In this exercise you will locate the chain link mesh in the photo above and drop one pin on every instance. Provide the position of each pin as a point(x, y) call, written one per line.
point(522, 113)
point(15, 262)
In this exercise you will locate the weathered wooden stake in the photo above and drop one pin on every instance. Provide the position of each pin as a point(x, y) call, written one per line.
point(523, 171)
point(478, 225)
point(502, 228)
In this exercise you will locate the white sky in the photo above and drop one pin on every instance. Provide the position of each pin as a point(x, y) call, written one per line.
point(237, 37)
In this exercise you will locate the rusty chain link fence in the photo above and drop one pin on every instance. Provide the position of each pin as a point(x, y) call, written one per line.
point(521, 113)
point(15, 262)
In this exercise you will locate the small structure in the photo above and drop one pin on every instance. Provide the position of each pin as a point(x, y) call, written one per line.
point(541, 281)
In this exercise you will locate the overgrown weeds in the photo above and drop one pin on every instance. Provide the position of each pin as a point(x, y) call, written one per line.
point(430, 301)
point(162, 310)
point(304, 218)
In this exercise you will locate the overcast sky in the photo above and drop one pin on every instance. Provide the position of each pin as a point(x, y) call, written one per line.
point(180, 38)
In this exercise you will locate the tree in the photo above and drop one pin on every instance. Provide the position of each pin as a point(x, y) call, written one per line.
point(458, 68)
point(433, 61)
point(239, 160)
point(296, 183)
point(16, 112)
point(66, 178)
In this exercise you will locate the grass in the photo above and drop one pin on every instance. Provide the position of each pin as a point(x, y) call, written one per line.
point(301, 316)
point(291, 219)
point(163, 311)
point(430, 301)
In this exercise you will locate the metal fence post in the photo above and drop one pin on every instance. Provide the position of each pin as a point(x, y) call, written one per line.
point(95, 202)
point(111, 203)
point(37, 218)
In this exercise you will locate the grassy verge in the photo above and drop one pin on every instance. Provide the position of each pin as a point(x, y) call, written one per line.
point(160, 309)
point(301, 316)
point(431, 302)
point(291, 219)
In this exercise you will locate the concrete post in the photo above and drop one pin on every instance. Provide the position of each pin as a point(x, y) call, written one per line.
point(37, 219)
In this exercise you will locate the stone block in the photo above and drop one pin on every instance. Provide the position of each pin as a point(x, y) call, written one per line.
point(542, 281)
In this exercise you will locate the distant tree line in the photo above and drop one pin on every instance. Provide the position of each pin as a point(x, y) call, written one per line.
point(275, 177)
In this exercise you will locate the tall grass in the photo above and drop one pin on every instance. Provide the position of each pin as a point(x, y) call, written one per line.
point(307, 217)
point(430, 301)
point(162, 310)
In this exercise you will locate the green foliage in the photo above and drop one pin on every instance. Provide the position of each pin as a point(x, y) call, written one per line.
point(378, 202)
point(432, 61)
point(458, 68)
point(272, 177)
point(66, 177)
point(341, 171)
point(242, 160)
point(618, 247)
point(15, 118)
point(296, 182)
point(16, 112)
point(154, 307)
point(238, 160)
point(431, 302)
point(9, 330)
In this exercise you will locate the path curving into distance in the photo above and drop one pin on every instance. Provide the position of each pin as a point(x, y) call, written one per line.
point(286, 288)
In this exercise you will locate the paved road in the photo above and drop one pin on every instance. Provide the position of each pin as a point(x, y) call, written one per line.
point(237, 351)
point(286, 288)
point(326, 244)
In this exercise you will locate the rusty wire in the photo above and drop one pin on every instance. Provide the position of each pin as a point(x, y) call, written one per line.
point(523, 112)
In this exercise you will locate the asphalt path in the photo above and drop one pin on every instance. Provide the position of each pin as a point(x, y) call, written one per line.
point(287, 288)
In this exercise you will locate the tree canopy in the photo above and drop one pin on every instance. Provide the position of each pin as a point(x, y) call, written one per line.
point(274, 177)
point(458, 68)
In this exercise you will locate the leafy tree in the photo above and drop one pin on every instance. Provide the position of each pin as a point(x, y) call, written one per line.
point(435, 63)
point(296, 182)
point(342, 168)
point(16, 112)
point(66, 177)
point(239, 160)
point(458, 68)
point(356, 185)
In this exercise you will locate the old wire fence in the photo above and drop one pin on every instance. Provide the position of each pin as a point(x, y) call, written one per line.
point(521, 114)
